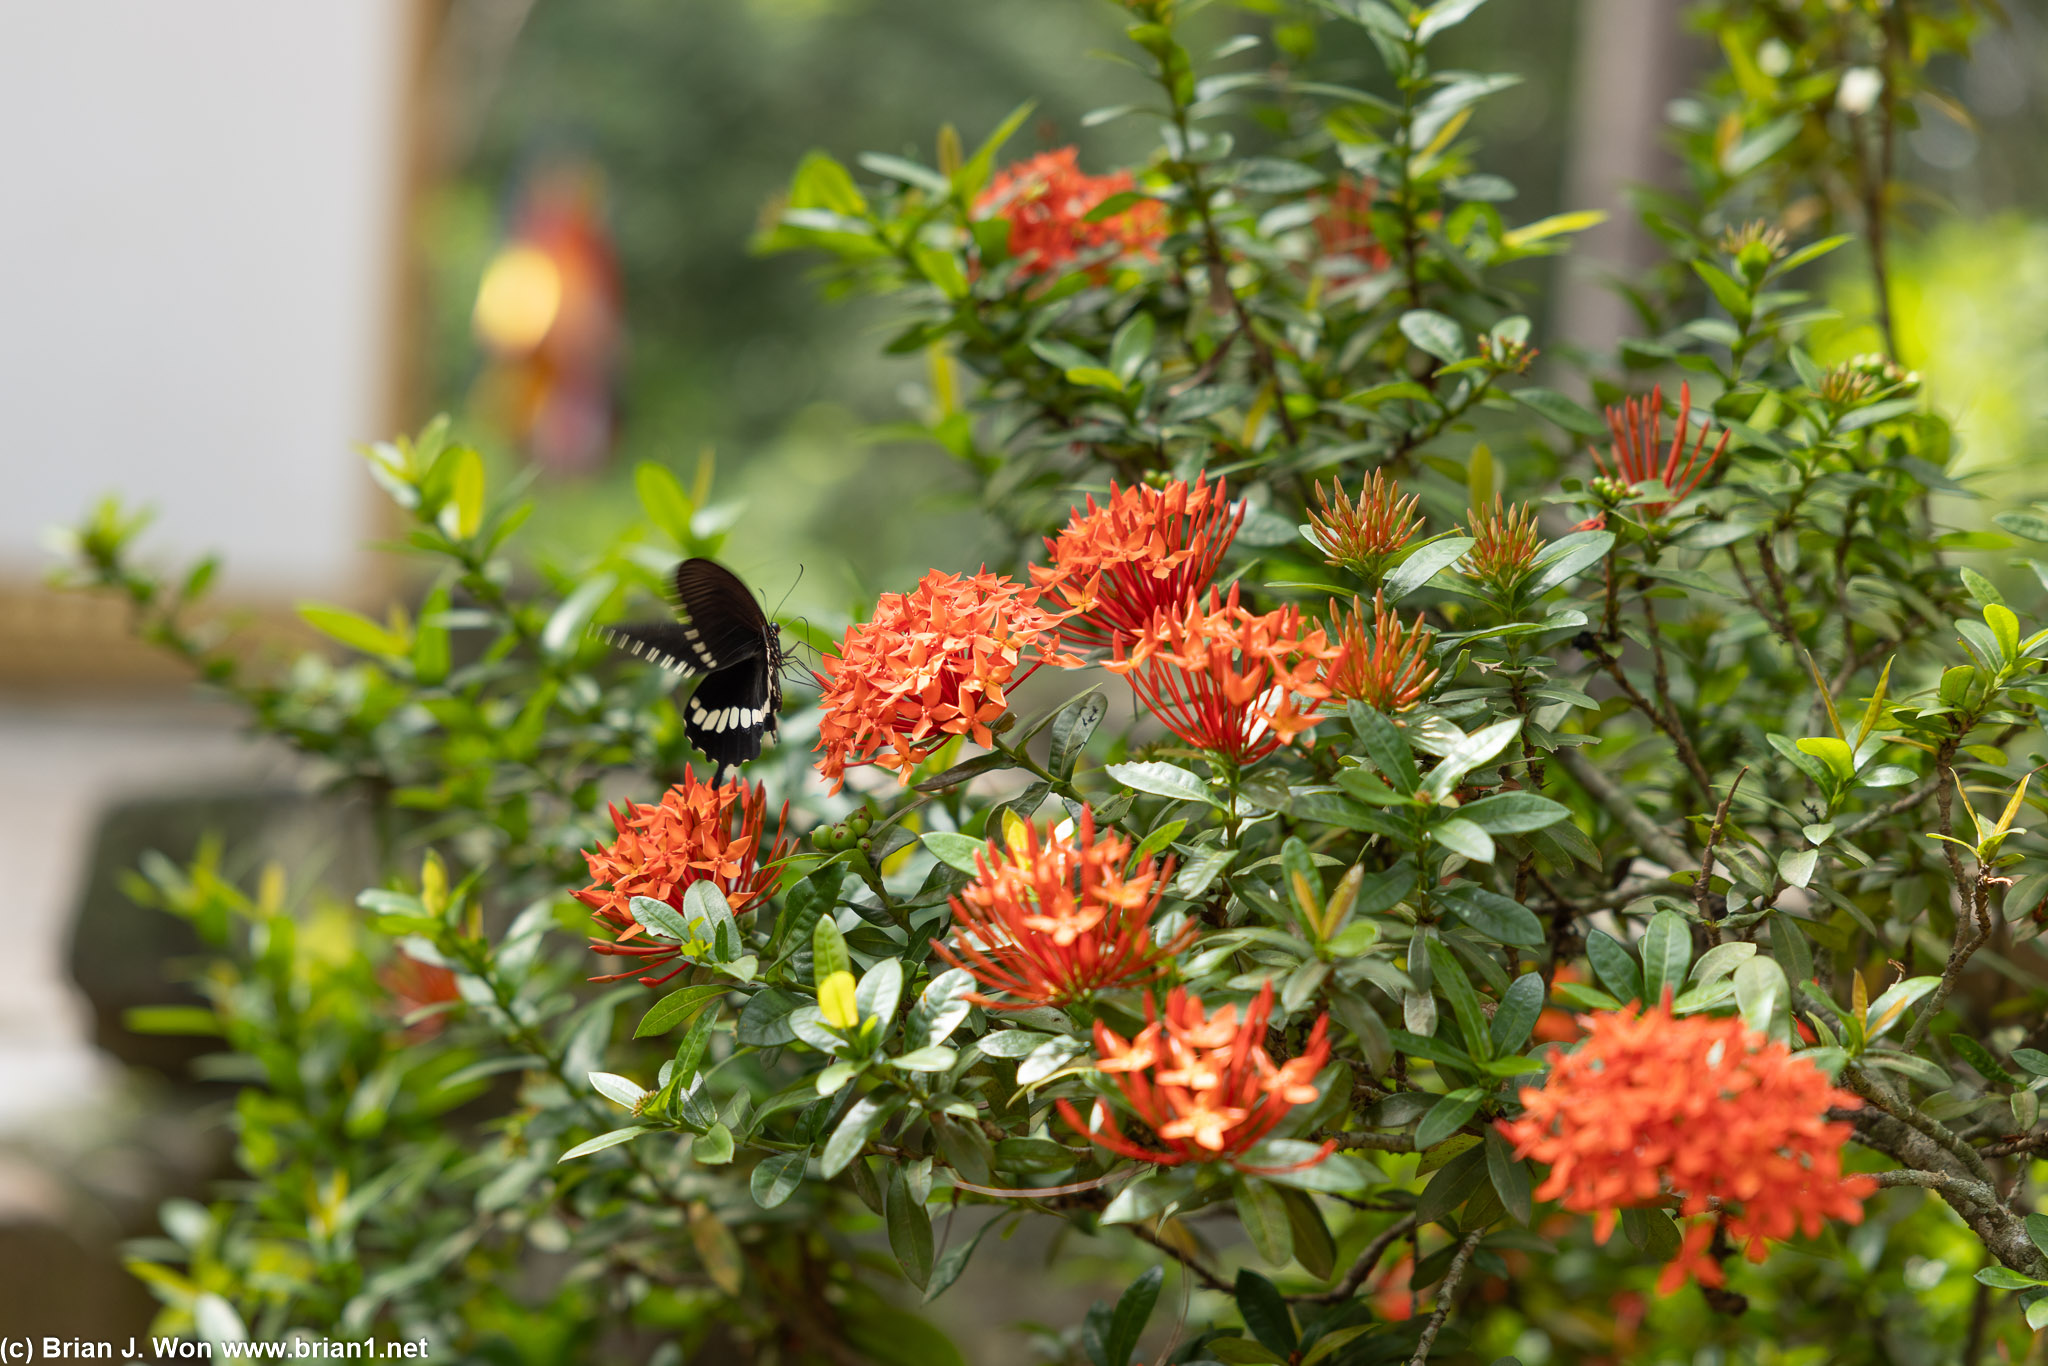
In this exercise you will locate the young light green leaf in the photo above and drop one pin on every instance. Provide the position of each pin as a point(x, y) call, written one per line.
point(603, 1141)
point(1163, 780)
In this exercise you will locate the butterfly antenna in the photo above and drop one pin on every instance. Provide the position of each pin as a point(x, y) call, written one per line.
point(791, 589)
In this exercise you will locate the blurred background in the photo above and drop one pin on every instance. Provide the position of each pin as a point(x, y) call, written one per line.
point(247, 237)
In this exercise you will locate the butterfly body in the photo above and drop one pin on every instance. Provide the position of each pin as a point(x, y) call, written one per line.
point(721, 633)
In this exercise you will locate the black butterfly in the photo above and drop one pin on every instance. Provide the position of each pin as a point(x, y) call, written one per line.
point(721, 631)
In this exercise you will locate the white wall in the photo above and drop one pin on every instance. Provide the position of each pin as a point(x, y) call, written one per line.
point(198, 221)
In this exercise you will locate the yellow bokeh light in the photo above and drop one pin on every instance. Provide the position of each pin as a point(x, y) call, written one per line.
point(519, 299)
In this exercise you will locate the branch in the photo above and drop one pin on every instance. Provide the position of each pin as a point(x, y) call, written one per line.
point(1367, 1260)
point(1195, 1268)
point(1704, 881)
point(1654, 841)
point(1356, 1138)
point(1443, 1299)
point(1962, 1189)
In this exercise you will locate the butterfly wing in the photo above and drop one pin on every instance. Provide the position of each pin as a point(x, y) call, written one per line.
point(720, 623)
point(722, 633)
point(712, 601)
point(731, 710)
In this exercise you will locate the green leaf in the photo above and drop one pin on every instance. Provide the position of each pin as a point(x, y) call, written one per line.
point(665, 503)
point(1510, 1178)
point(1889, 1008)
point(862, 1119)
point(1444, 15)
point(1614, 965)
point(603, 1141)
point(1461, 836)
point(1719, 961)
point(1265, 1312)
point(2005, 1278)
point(1147, 1195)
point(955, 850)
point(353, 629)
point(1456, 988)
point(1731, 295)
point(190, 1020)
point(776, 1178)
point(910, 1229)
point(940, 1008)
point(1573, 417)
point(1314, 1248)
point(1131, 346)
point(1666, 951)
point(1264, 1216)
point(1452, 1185)
point(1468, 752)
point(2027, 525)
point(1133, 1309)
point(1981, 1058)
point(1334, 1341)
point(1513, 813)
point(1424, 563)
point(1433, 332)
point(974, 172)
point(1163, 780)
point(566, 624)
point(828, 950)
point(675, 1008)
point(1566, 557)
point(713, 1148)
point(1386, 746)
point(1076, 722)
point(1516, 1014)
point(2037, 1230)
point(1492, 914)
point(1765, 998)
point(953, 1261)
point(1448, 1116)
point(764, 1022)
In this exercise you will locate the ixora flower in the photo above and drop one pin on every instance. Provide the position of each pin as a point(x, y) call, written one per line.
point(1051, 918)
point(1505, 544)
point(1143, 551)
point(1362, 535)
point(1383, 666)
point(1636, 425)
point(1344, 228)
point(1047, 201)
point(1226, 679)
point(1203, 1084)
point(930, 664)
point(1650, 1107)
point(415, 985)
point(695, 833)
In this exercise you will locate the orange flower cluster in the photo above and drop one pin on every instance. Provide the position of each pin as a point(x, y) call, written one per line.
point(1203, 1083)
point(930, 664)
point(1505, 543)
point(1362, 535)
point(1701, 1108)
point(1226, 679)
point(1345, 230)
point(1054, 920)
point(1143, 551)
point(415, 986)
point(1636, 425)
point(696, 833)
point(1047, 200)
point(1384, 667)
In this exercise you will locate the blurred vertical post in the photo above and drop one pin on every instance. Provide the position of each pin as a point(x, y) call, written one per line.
point(1633, 60)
